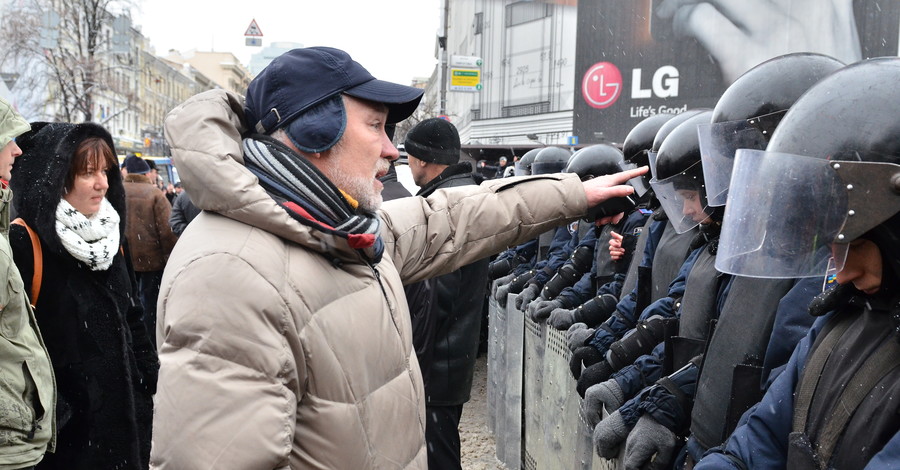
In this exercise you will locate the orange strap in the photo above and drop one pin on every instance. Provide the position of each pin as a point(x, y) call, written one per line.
point(38, 261)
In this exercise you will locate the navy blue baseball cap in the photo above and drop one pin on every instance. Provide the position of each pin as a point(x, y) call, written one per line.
point(301, 92)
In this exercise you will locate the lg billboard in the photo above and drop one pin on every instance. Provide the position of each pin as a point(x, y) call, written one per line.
point(637, 58)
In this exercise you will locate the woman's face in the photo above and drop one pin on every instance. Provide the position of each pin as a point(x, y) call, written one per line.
point(88, 190)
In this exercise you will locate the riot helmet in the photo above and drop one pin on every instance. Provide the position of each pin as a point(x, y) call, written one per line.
point(679, 182)
point(664, 131)
point(600, 160)
point(639, 140)
point(523, 166)
point(550, 160)
point(751, 108)
point(829, 175)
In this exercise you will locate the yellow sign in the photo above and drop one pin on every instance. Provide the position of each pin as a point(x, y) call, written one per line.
point(465, 79)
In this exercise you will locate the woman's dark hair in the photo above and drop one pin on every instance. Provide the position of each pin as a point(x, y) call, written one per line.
point(91, 152)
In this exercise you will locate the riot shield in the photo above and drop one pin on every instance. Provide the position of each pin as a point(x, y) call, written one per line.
point(560, 406)
point(532, 384)
point(509, 409)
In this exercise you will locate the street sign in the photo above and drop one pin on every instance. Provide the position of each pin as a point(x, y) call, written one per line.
point(253, 42)
point(253, 29)
point(465, 80)
point(573, 140)
point(465, 61)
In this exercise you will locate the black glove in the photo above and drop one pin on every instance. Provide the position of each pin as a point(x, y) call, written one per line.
point(585, 356)
point(578, 335)
point(538, 311)
point(529, 293)
point(647, 439)
point(593, 375)
point(148, 368)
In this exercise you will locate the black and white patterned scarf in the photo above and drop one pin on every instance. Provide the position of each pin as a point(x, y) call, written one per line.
point(92, 240)
point(309, 197)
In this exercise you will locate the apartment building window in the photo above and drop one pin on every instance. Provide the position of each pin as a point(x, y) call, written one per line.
point(479, 22)
point(523, 12)
point(525, 109)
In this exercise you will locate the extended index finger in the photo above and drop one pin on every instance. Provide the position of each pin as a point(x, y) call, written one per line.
point(626, 175)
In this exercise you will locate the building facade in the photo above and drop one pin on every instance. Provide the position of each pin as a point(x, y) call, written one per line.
point(527, 53)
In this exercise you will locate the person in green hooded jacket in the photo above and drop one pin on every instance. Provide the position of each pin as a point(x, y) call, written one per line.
point(27, 384)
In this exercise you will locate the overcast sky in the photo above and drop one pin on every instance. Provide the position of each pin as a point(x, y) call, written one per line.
point(393, 39)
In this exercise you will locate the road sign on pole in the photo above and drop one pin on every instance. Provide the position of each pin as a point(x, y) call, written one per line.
point(253, 29)
point(465, 61)
point(465, 79)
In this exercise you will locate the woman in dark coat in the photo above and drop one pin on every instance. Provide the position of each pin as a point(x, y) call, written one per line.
point(69, 191)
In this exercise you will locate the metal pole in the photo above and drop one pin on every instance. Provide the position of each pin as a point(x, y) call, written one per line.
point(444, 61)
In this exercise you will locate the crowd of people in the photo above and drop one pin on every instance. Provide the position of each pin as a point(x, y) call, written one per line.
point(727, 278)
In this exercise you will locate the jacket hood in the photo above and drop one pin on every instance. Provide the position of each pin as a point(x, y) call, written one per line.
point(11, 123)
point(39, 175)
point(204, 134)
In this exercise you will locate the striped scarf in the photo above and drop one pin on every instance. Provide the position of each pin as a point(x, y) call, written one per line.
point(309, 197)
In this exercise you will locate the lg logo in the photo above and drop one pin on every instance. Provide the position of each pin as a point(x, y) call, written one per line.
point(663, 85)
point(602, 84)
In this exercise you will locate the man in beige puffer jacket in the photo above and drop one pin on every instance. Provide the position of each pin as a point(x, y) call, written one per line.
point(284, 334)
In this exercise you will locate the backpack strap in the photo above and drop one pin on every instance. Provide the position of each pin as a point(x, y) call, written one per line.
point(38, 261)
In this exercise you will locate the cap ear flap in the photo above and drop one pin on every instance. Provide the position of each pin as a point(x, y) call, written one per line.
point(320, 127)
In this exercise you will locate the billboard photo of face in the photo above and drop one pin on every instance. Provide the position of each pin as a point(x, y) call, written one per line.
point(638, 58)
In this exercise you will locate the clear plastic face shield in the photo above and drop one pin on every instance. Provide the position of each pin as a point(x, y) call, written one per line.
point(651, 157)
point(718, 143)
point(646, 177)
point(520, 170)
point(683, 198)
point(790, 216)
point(543, 168)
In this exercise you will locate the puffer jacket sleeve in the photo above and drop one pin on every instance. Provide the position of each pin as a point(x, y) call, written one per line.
point(456, 226)
point(228, 360)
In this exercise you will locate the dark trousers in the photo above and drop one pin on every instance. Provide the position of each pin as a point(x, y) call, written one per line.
point(148, 286)
point(442, 437)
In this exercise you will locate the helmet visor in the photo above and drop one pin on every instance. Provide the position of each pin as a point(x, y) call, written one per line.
point(718, 142)
point(521, 169)
point(682, 197)
point(651, 157)
point(544, 168)
point(641, 184)
point(783, 214)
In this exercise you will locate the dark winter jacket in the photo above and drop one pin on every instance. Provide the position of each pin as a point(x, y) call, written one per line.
point(104, 362)
point(419, 295)
point(457, 308)
point(870, 438)
point(183, 212)
point(147, 228)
